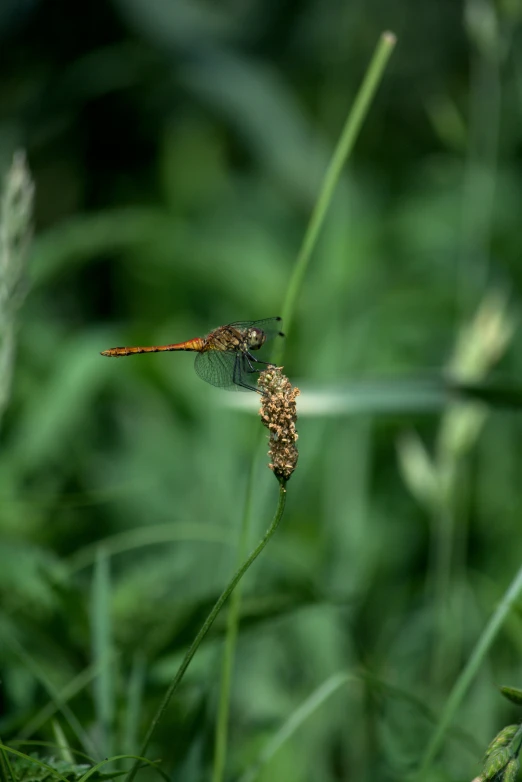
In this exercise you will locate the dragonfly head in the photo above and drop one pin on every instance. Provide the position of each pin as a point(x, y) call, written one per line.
point(256, 339)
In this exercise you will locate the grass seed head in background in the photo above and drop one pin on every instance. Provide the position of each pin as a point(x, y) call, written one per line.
point(15, 234)
point(501, 761)
point(15, 231)
point(279, 414)
point(513, 694)
point(481, 343)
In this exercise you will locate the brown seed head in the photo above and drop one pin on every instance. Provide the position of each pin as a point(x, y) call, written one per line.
point(279, 414)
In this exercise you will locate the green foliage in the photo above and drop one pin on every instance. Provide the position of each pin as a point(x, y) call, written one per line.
point(26, 770)
point(35, 768)
point(177, 151)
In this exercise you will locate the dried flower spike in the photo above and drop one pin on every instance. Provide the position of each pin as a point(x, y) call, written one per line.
point(279, 414)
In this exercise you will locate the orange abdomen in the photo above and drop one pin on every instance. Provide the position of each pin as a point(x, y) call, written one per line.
point(191, 344)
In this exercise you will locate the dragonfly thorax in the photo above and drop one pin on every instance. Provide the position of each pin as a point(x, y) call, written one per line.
point(256, 339)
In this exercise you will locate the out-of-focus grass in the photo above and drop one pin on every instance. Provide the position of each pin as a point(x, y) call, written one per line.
point(16, 214)
point(176, 154)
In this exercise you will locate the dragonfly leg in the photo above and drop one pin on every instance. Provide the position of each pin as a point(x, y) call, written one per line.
point(238, 380)
point(250, 388)
point(251, 358)
point(249, 369)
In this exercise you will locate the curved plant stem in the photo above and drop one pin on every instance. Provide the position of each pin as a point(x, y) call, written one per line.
point(341, 154)
point(236, 578)
point(221, 734)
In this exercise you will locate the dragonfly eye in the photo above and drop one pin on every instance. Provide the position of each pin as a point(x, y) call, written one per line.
point(256, 339)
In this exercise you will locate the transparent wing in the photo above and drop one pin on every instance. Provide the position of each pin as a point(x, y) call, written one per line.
point(271, 326)
point(216, 367)
point(225, 369)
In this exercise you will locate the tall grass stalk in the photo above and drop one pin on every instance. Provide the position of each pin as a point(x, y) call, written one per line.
point(339, 158)
point(236, 578)
point(349, 135)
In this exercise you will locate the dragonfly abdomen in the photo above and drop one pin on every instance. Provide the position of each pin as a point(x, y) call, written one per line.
point(191, 344)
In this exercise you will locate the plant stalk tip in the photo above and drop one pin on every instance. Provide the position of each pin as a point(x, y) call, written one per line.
point(389, 37)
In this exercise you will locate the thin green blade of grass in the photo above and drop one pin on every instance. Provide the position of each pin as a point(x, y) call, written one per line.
point(294, 722)
point(104, 697)
point(340, 156)
point(67, 693)
point(53, 693)
point(149, 536)
point(466, 677)
point(383, 689)
point(385, 395)
point(6, 768)
point(135, 690)
point(64, 749)
point(501, 395)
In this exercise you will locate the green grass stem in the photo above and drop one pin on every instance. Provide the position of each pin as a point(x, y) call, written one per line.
point(236, 578)
point(341, 154)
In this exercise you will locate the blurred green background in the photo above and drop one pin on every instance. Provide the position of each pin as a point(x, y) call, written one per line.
point(177, 150)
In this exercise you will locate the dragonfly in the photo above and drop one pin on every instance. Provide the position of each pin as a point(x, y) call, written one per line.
point(225, 356)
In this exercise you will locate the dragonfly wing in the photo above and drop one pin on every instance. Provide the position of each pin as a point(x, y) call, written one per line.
point(271, 326)
point(222, 368)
